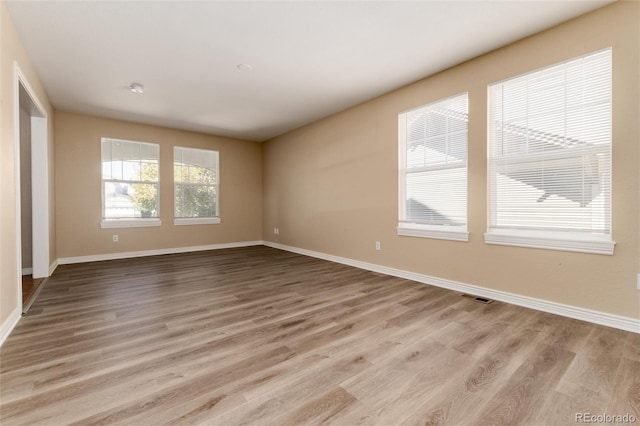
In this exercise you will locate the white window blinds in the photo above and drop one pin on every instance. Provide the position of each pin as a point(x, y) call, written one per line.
point(196, 180)
point(130, 179)
point(433, 165)
point(550, 148)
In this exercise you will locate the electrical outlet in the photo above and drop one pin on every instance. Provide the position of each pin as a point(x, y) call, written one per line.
point(638, 282)
point(276, 231)
point(378, 245)
point(115, 238)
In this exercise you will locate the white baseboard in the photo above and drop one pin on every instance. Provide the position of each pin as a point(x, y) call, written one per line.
point(27, 271)
point(596, 317)
point(130, 254)
point(9, 324)
point(53, 267)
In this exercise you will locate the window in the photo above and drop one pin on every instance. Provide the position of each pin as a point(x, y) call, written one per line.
point(196, 180)
point(129, 183)
point(433, 170)
point(550, 157)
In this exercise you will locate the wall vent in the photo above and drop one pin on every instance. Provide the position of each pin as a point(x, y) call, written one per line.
point(478, 299)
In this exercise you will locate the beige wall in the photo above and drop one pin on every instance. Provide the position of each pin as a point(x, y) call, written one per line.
point(78, 189)
point(332, 186)
point(12, 50)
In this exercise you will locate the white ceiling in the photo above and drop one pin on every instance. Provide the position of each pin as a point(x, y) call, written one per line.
point(310, 58)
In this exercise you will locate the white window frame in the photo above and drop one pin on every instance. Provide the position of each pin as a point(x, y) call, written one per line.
point(179, 221)
point(552, 239)
point(108, 223)
point(412, 229)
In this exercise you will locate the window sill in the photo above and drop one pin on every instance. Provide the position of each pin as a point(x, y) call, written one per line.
point(196, 221)
point(129, 223)
point(453, 233)
point(549, 240)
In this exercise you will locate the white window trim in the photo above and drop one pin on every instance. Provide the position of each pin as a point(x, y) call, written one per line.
point(406, 229)
point(440, 232)
point(179, 221)
point(130, 223)
point(196, 221)
point(552, 240)
point(548, 239)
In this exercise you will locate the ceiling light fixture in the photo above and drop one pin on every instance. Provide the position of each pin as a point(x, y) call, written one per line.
point(244, 67)
point(136, 88)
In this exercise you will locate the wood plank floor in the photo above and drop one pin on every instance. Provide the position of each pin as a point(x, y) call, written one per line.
point(29, 286)
point(261, 336)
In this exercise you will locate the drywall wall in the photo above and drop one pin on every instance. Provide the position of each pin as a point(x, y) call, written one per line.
point(332, 186)
point(13, 52)
point(78, 189)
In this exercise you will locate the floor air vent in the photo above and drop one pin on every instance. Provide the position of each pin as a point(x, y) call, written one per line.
point(478, 299)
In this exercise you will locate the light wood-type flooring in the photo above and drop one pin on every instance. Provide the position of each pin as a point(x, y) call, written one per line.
point(262, 336)
point(29, 286)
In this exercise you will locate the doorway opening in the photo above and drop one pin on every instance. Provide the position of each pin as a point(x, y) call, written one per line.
point(32, 190)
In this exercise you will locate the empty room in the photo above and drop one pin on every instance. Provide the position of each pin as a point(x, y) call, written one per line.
point(320, 212)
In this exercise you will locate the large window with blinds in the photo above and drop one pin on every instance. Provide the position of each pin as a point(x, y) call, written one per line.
point(549, 152)
point(432, 142)
point(130, 183)
point(196, 182)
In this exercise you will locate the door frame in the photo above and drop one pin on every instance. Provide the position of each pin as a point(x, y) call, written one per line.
point(39, 181)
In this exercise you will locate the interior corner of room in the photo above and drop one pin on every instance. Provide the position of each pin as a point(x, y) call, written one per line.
point(309, 184)
point(307, 234)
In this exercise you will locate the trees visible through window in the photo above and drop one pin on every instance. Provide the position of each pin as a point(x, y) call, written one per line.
point(196, 182)
point(130, 182)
